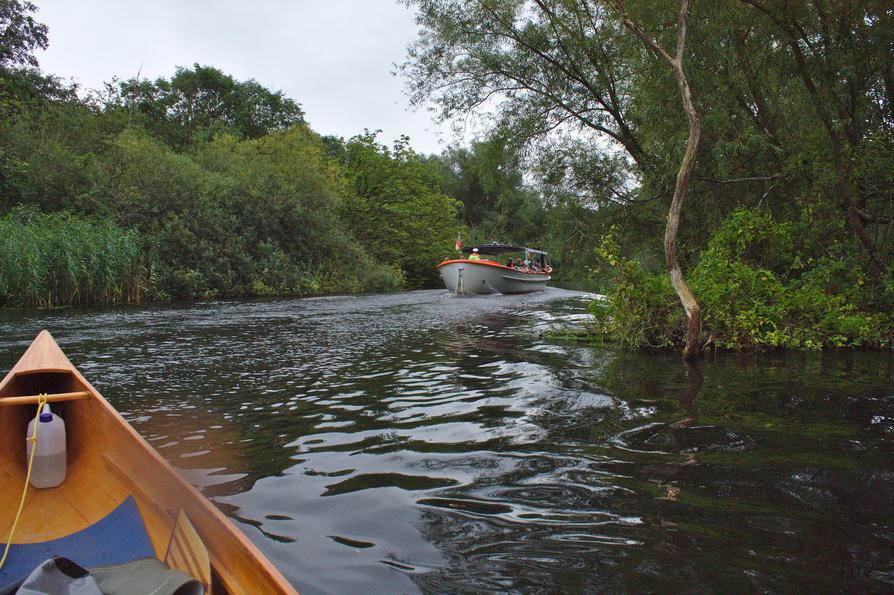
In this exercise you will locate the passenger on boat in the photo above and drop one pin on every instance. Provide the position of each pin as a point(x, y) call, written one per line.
point(474, 254)
point(518, 264)
point(510, 262)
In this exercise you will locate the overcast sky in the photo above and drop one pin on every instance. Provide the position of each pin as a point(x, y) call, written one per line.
point(334, 57)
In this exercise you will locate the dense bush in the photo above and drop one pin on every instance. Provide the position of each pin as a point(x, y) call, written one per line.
point(228, 218)
point(395, 208)
point(197, 186)
point(238, 218)
point(761, 286)
point(641, 311)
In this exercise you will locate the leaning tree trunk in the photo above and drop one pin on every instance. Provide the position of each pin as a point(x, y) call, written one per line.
point(693, 312)
point(690, 304)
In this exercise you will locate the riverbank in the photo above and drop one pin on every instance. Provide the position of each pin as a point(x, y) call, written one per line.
point(761, 283)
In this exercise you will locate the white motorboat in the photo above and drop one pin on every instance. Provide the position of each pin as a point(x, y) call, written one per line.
point(480, 274)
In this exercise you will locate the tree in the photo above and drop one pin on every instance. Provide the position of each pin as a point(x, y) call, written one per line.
point(47, 150)
point(235, 217)
point(21, 83)
point(204, 101)
point(549, 64)
point(842, 54)
point(488, 180)
point(546, 64)
point(690, 304)
point(20, 34)
point(396, 208)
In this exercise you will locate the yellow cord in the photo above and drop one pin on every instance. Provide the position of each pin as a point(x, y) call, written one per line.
point(41, 400)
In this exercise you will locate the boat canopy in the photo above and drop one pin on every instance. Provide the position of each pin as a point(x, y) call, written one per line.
point(497, 248)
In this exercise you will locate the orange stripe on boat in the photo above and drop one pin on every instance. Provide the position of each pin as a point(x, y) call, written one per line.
point(490, 263)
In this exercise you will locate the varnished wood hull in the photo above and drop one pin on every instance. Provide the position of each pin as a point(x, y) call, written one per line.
point(107, 462)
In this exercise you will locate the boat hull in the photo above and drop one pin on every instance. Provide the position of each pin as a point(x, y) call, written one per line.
point(485, 277)
point(108, 463)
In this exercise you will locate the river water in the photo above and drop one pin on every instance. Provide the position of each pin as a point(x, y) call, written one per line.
point(426, 442)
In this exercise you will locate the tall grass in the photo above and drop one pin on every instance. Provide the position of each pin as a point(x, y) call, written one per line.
point(56, 259)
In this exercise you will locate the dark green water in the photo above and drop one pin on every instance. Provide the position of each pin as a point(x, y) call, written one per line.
point(426, 442)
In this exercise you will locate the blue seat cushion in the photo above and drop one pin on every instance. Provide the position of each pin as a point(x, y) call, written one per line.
point(117, 538)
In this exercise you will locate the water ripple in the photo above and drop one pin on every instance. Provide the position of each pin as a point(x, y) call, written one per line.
point(424, 442)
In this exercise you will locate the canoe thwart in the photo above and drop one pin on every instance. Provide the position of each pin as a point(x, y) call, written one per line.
point(51, 398)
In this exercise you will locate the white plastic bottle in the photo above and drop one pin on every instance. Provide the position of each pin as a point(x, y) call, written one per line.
point(48, 469)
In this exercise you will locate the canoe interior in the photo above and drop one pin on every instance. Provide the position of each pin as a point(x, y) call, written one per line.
point(89, 492)
point(107, 461)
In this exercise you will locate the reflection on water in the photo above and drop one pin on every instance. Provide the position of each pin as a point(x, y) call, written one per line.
point(426, 442)
point(687, 400)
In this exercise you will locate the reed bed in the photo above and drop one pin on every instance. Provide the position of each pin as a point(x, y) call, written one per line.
point(58, 259)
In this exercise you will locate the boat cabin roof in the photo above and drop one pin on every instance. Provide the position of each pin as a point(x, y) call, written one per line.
point(497, 248)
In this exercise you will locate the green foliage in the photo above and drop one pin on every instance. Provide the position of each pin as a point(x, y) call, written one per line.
point(45, 153)
point(54, 259)
point(496, 203)
point(20, 34)
point(230, 218)
point(540, 67)
point(226, 192)
point(761, 286)
point(199, 102)
point(641, 311)
point(238, 218)
point(21, 83)
point(787, 230)
point(395, 207)
point(215, 186)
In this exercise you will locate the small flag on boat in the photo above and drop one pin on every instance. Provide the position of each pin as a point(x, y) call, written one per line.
point(459, 243)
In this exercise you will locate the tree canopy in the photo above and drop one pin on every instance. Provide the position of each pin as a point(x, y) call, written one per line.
point(203, 101)
point(396, 208)
point(20, 34)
